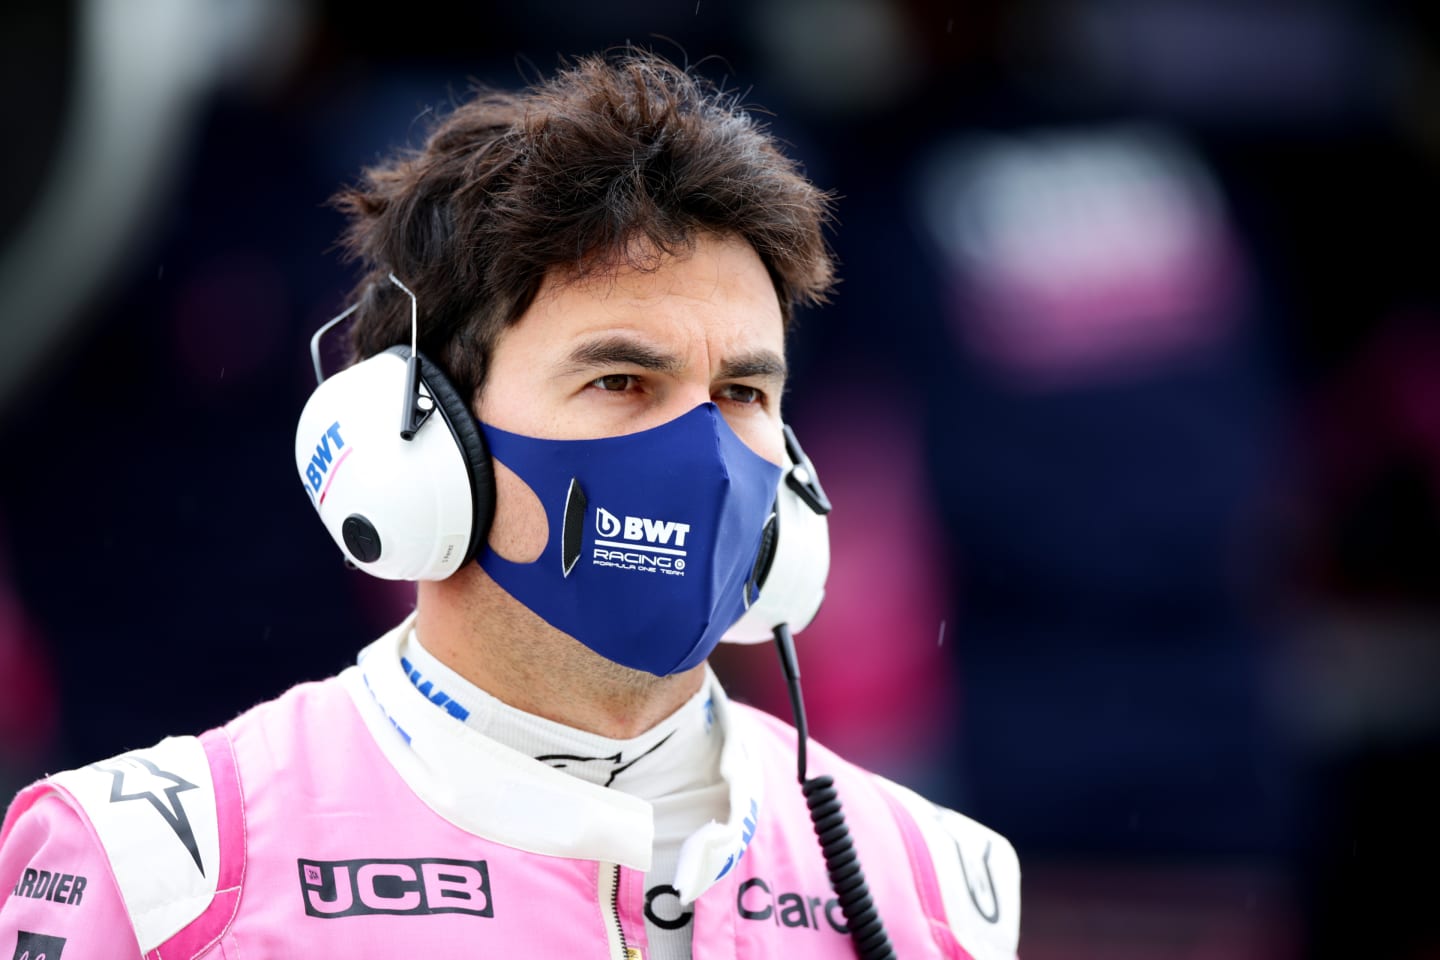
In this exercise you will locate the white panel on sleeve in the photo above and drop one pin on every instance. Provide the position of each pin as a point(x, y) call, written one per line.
point(978, 872)
point(154, 811)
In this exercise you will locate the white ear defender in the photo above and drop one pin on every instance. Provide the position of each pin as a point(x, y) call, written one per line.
point(410, 497)
point(795, 559)
point(395, 464)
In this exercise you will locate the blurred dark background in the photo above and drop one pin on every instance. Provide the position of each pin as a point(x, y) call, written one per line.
point(1129, 404)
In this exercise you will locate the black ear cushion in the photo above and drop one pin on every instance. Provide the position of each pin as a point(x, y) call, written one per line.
point(466, 431)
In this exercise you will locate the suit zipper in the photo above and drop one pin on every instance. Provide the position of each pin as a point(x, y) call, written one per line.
point(610, 910)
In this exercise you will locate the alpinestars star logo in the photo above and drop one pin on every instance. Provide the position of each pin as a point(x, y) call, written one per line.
point(613, 765)
point(136, 778)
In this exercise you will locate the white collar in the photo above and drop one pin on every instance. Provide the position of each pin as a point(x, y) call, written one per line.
point(497, 793)
point(678, 755)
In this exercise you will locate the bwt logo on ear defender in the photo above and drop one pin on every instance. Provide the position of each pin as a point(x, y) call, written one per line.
point(322, 466)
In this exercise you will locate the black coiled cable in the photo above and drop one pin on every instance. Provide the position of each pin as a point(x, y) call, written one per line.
point(847, 878)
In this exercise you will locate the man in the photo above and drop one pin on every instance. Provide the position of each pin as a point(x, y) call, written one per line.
point(584, 482)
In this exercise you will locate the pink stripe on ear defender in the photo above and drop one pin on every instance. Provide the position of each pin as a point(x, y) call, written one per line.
point(334, 470)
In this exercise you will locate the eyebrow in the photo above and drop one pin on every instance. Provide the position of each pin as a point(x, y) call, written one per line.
point(616, 350)
point(760, 363)
point(621, 350)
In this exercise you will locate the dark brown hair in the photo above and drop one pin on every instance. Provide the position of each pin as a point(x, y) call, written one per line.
point(614, 161)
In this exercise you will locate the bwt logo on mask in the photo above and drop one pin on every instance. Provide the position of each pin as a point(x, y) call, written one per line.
point(640, 530)
point(640, 543)
point(355, 888)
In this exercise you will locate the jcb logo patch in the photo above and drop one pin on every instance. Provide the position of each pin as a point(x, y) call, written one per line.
point(356, 888)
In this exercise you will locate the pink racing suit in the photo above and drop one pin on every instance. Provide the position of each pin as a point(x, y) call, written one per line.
point(351, 818)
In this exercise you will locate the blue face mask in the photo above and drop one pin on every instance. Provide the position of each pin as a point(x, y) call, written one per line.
point(653, 537)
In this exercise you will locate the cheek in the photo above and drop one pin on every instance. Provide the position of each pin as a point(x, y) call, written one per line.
point(763, 436)
point(521, 529)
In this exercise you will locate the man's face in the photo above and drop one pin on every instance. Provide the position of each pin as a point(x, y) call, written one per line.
point(617, 354)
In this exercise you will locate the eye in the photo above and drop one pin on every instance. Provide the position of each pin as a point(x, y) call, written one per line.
point(613, 382)
point(740, 393)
